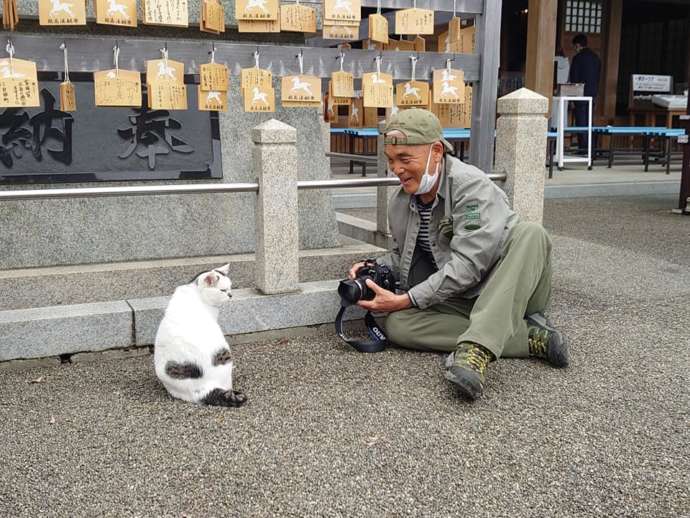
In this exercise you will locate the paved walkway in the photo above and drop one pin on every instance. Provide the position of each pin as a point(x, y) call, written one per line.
point(329, 432)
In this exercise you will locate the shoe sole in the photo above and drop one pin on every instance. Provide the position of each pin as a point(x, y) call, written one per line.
point(468, 391)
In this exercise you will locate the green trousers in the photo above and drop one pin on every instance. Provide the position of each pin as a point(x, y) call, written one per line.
point(519, 285)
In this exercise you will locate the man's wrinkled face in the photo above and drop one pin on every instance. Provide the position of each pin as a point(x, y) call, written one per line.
point(408, 162)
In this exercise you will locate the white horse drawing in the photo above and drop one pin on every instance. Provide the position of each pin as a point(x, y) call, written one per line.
point(259, 96)
point(411, 90)
point(9, 74)
point(449, 90)
point(214, 96)
point(447, 76)
point(301, 85)
point(115, 8)
point(257, 4)
point(58, 7)
point(343, 5)
point(164, 70)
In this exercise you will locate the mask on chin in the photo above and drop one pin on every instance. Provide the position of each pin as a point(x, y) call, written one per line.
point(426, 184)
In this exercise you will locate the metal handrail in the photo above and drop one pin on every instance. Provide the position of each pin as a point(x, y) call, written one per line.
point(98, 192)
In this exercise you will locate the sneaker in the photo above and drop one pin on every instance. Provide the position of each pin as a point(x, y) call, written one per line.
point(545, 341)
point(467, 367)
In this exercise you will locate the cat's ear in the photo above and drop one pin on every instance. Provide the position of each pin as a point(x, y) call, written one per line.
point(210, 279)
point(225, 269)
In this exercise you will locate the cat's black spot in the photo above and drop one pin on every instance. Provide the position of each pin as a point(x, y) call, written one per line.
point(181, 371)
point(220, 397)
point(222, 357)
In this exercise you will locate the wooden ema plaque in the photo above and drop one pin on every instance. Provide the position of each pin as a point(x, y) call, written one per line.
point(378, 28)
point(377, 90)
point(256, 10)
point(165, 83)
point(349, 11)
point(335, 100)
point(414, 21)
point(61, 12)
point(212, 101)
point(166, 12)
point(259, 26)
point(300, 91)
point(117, 88)
point(412, 93)
point(122, 13)
point(297, 18)
point(449, 86)
point(455, 115)
point(340, 32)
point(18, 83)
point(259, 99)
point(214, 77)
point(212, 17)
point(68, 97)
point(343, 84)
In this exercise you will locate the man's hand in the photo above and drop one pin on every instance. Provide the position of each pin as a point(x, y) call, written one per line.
point(355, 268)
point(384, 300)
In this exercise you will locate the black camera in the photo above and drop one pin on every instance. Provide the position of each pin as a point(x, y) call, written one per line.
point(352, 291)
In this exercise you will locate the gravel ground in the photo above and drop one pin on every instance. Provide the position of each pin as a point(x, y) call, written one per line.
point(329, 432)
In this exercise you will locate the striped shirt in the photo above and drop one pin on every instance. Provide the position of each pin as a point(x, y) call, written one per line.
point(425, 217)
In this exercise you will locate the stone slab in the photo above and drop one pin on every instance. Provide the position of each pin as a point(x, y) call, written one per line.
point(55, 330)
point(60, 285)
point(248, 311)
point(362, 230)
point(97, 230)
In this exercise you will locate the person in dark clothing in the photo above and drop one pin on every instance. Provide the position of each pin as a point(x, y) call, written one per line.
point(585, 68)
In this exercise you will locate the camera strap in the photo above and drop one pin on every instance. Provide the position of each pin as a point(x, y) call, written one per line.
point(378, 340)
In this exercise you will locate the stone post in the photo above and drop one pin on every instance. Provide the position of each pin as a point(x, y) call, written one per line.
point(274, 159)
point(521, 150)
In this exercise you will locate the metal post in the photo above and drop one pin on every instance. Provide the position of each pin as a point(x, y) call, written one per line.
point(382, 193)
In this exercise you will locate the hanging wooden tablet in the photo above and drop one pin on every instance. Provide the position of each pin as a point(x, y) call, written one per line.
point(300, 91)
point(122, 13)
point(340, 32)
point(377, 90)
point(165, 85)
point(297, 18)
point(256, 10)
point(212, 17)
point(259, 26)
point(449, 86)
point(335, 100)
point(454, 28)
point(18, 83)
point(378, 28)
point(214, 77)
point(68, 97)
point(401, 44)
point(467, 35)
point(412, 93)
point(212, 101)
point(166, 12)
point(117, 88)
point(414, 21)
point(343, 84)
point(419, 44)
point(250, 77)
point(61, 12)
point(343, 10)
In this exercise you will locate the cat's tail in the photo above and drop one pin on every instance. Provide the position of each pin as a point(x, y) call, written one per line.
point(221, 397)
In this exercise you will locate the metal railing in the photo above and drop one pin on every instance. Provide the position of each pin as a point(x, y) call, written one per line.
point(210, 188)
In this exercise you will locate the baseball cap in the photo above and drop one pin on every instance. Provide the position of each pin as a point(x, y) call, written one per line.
point(419, 127)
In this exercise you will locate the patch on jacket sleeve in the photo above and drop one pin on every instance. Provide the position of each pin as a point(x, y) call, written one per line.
point(472, 216)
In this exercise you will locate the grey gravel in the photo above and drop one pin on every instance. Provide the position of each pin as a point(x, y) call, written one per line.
point(330, 432)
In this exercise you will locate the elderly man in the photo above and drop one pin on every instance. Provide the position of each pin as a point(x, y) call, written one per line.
point(473, 280)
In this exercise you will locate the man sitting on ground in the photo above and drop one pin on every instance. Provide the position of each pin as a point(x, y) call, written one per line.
point(475, 280)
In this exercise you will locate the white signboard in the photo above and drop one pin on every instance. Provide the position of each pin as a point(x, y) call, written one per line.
point(650, 83)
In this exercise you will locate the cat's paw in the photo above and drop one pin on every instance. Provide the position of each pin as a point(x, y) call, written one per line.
point(236, 398)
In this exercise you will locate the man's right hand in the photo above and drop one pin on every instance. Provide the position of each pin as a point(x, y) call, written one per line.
point(355, 268)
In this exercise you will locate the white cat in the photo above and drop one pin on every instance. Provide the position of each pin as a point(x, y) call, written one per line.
point(191, 357)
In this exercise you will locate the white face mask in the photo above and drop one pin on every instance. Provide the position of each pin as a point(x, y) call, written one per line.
point(426, 184)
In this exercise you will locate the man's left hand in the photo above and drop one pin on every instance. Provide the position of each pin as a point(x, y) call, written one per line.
point(384, 300)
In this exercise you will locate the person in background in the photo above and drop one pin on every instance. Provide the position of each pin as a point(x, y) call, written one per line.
point(585, 68)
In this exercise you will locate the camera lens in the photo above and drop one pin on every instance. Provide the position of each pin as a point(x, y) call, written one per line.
point(351, 290)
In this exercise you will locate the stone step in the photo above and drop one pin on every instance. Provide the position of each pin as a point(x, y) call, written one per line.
point(81, 284)
point(69, 329)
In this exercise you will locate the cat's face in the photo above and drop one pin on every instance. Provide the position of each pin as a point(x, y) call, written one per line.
point(214, 286)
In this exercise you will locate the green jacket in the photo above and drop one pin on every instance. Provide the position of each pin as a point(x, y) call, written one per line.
point(477, 211)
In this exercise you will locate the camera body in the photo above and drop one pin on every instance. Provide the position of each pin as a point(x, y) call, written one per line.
point(352, 291)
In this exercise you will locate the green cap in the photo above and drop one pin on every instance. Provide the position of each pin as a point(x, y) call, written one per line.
point(419, 127)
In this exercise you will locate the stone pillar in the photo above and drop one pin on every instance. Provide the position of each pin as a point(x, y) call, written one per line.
point(274, 159)
point(521, 150)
